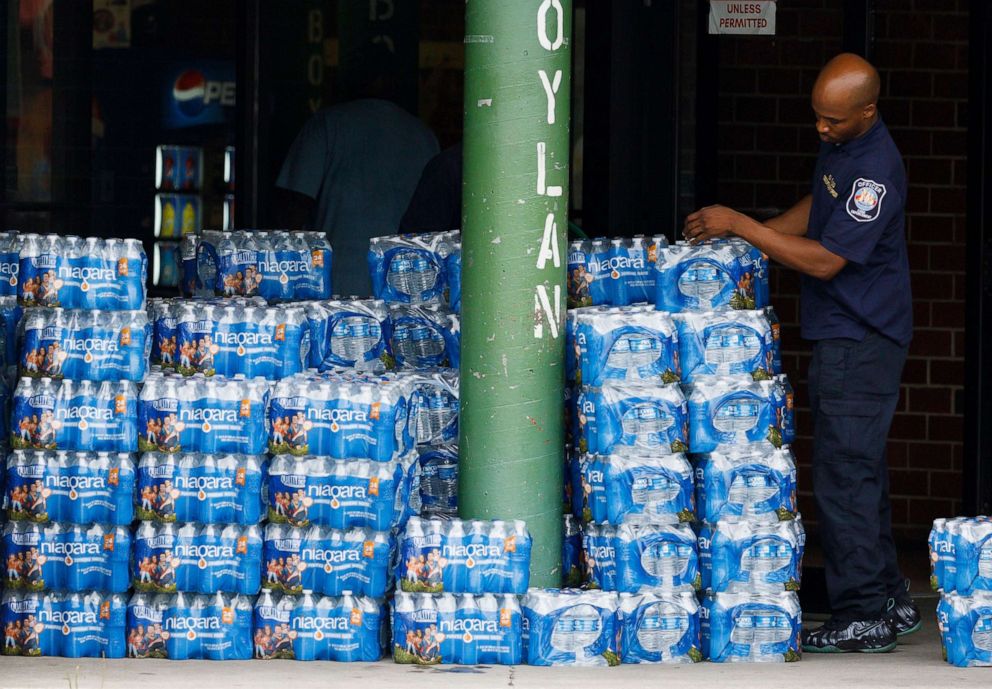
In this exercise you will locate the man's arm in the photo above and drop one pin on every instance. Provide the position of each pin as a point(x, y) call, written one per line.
point(799, 253)
point(794, 221)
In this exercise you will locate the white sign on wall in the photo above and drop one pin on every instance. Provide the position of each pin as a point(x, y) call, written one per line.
point(754, 17)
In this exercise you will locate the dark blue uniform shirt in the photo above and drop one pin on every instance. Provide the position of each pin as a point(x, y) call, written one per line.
point(859, 198)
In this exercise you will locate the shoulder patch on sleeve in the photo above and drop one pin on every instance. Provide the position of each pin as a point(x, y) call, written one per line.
point(865, 202)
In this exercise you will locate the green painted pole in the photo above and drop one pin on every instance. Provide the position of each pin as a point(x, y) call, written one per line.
point(514, 228)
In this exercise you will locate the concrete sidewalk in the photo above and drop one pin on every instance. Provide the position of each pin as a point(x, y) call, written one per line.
point(916, 663)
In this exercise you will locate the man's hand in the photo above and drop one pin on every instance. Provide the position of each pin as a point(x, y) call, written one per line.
point(711, 222)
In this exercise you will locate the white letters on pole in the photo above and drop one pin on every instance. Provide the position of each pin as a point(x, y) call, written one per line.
point(542, 187)
point(550, 89)
point(549, 244)
point(543, 304)
point(542, 25)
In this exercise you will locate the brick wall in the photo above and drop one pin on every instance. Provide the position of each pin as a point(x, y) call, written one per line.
point(767, 147)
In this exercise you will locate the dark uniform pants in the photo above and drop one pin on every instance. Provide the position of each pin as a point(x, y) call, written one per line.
point(854, 388)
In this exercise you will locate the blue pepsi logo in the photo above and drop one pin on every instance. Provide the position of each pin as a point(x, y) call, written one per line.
point(193, 92)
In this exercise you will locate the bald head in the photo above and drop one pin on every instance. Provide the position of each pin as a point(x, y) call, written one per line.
point(845, 98)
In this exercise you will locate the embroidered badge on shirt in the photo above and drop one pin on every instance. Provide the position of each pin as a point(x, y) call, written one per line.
point(865, 201)
point(830, 184)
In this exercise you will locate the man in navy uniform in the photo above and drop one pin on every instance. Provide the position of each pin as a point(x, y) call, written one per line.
point(847, 238)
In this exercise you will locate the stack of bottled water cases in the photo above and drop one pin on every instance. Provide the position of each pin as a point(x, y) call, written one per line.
point(419, 278)
point(278, 266)
point(68, 487)
point(66, 547)
point(697, 376)
point(961, 571)
point(197, 556)
point(458, 587)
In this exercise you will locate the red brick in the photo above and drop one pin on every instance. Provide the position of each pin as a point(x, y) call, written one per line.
point(796, 167)
point(953, 85)
point(908, 25)
point(776, 194)
point(912, 84)
point(959, 344)
point(821, 23)
point(931, 343)
point(897, 453)
point(756, 167)
point(962, 119)
point(961, 172)
point(801, 53)
point(737, 80)
point(930, 399)
point(921, 314)
point(900, 510)
point(895, 112)
point(950, 27)
point(950, 428)
point(892, 53)
point(932, 113)
point(915, 371)
point(919, 256)
point(943, 372)
point(778, 139)
point(948, 315)
point(927, 285)
point(757, 51)
point(908, 482)
point(796, 110)
point(960, 287)
point(785, 81)
point(934, 56)
point(930, 170)
point(908, 427)
point(945, 484)
point(928, 228)
point(950, 142)
point(950, 257)
point(930, 456)
point(735, 137)
point(910, 141)
point(924, 511)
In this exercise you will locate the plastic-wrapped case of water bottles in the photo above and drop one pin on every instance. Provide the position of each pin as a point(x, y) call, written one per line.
point(458, 556)
point(460, 629)
point(417, 268)
point(339, 493)
point(176, 414)
point(345, 628)
point(84, 345)
point(600, 628)
point(77, 273)
point(197, 558)
point(71, 625)
point(277, 265)
point(78, 487)
point(326, 561)
point(343, 415)
point(617, 272)
point(186, 626)
point(230, 337)
point(74, 415)
point(195, 487)
point(961, 570)
point(615, 489)
point(424, 336)
point(68, 557)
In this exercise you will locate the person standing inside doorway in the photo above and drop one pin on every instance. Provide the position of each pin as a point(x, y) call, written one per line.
point(847, 239)
point(352, 170)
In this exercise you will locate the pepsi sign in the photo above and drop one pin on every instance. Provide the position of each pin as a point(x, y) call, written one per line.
point(198, 93)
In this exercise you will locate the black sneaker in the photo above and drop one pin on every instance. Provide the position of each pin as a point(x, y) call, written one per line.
point(860, 636)
point(901, 613)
